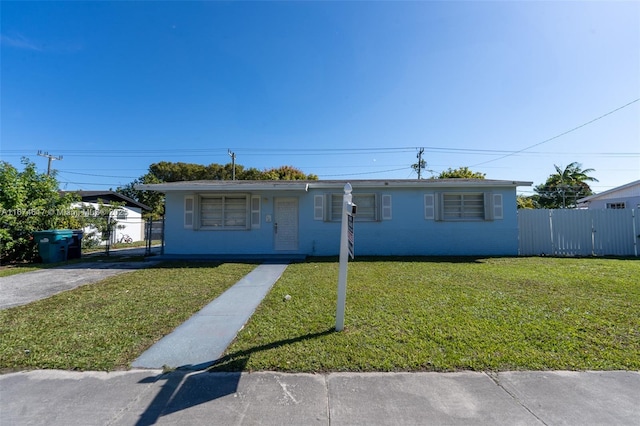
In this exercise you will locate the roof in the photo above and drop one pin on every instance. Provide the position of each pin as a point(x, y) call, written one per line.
point(305, 185)
point(608, 193)
point(107, 196)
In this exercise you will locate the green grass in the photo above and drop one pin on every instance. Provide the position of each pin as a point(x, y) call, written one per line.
point(105, 326)
point(447, 315)
point(402, 315)
point(8, 270)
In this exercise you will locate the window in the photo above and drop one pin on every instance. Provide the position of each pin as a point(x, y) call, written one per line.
point(616, 206)
point(367, 207)
point(224, 212)
point(463, 206)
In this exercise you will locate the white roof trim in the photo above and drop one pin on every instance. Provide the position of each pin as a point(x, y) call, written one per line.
point(423, 183)
point(609, 191)
point(279, 185)
point(225, 185)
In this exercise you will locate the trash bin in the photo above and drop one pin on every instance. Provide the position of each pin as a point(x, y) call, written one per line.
point(74, 250)
point(53, 244)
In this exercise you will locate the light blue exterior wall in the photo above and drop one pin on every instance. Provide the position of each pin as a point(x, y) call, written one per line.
point(407, 233)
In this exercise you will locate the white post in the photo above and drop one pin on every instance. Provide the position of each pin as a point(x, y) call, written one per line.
point(344, 258)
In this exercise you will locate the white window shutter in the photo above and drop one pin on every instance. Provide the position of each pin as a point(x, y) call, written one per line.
point(386, 206)
point(318, 207)
point(429, 206)
point(327, 212)
point(188, 211)
point(255, 212)
point(498, 210)
point(488, 206)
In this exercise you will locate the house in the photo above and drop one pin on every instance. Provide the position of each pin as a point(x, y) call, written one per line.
point(129, 221)
point(302, 218)
point(623, 197)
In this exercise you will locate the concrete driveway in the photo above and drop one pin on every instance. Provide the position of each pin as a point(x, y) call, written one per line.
point(21, 289)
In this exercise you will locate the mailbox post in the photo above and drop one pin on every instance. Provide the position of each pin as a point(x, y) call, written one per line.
point(346, 249)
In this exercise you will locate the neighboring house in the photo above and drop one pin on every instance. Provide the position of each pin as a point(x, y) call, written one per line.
point(394, 217)
point(128, 217)
point(623, 197)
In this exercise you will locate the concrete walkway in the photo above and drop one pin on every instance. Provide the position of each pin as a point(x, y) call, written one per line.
point(203, 338)
point(146, 397)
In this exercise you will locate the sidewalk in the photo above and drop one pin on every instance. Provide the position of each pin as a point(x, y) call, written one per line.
point(145, 397)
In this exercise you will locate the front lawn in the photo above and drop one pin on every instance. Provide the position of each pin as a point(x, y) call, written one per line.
point(105, 326)
point(448, 314)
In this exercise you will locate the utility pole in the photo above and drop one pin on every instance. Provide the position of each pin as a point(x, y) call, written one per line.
point(233, 164)
point(420, 166)
point(51, 158)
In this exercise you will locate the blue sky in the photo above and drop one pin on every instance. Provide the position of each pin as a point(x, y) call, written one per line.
point(344, 90)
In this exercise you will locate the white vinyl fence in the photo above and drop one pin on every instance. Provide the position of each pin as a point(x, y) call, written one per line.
point(571, 232)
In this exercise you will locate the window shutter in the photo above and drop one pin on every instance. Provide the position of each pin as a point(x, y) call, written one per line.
point(327, 208)
point(488, 206)
point(386, 206)
point(337, 201)
point(188, 211)
point(318, 207)
point(255, 212)
point(429, 206)
point(498, 210)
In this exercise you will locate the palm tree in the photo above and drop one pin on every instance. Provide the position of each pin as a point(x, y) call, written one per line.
point(563, 188)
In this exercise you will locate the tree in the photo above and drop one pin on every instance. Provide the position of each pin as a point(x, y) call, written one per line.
point(153, 199)
point(30, 201)
point(563, 188)
point(460, 173)
point(101, 221)
point(286, 173)
point(165, 171)
point(525, 202)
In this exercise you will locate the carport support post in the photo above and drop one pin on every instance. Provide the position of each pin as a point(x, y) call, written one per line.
point(344, 258)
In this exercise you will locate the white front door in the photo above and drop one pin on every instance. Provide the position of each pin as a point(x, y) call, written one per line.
point(285, 226)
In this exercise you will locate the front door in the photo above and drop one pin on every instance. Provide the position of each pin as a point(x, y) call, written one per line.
point(285, 226)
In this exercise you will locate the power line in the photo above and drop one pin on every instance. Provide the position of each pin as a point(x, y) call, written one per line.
point(87, 183)
point(320, 152)
point(560, 135)
point(91, 174)
point(367, 173)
